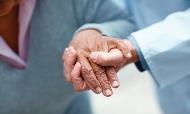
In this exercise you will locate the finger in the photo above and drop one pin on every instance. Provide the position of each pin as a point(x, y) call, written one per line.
point(113, 58)
point(78, 83)
point(100, 74)
point(124, 48)
point(119, 44)
point(112, 76)
point(88, 75)
point(69, 59)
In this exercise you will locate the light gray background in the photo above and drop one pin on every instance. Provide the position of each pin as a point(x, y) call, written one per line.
point(136, 95)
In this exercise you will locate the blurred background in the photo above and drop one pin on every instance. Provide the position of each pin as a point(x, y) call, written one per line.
point(136, 95)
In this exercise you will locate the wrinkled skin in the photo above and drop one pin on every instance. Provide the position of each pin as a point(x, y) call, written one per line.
point(85, 74)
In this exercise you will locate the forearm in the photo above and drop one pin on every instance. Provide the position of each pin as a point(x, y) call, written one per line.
point(166, 49)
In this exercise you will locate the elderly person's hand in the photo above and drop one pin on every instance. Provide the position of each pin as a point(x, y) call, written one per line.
point(85, 74)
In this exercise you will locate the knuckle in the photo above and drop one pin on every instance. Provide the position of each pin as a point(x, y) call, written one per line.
point(106, 85)
point(86, 71)
point(103, 81)
point(112, 73)
point(99, 72)
point(88, 75)
point(101, 76)
point(91, 80)
point(101, 58)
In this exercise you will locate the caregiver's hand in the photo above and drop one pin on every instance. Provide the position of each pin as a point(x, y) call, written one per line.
point(113, 58)
point(94, 77)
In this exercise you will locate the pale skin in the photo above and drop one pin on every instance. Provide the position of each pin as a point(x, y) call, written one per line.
point(97, 78)
point(108, 56)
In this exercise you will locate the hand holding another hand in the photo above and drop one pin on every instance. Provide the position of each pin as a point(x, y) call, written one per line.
point(114, 57)
point(97, 70)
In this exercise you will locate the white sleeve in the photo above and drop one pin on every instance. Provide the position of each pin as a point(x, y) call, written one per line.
point(165, 47)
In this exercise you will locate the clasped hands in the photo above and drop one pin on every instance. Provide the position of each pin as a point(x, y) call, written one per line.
point(91, 61)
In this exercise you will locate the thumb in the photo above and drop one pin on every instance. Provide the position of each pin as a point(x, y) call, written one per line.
point(113, 58)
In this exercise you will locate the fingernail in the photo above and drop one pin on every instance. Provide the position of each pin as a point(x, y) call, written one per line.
point(108, 92)
point(99, 90)
point(93, 56)
point(115, 84)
